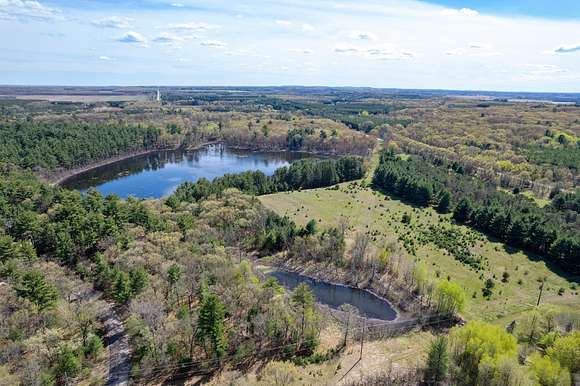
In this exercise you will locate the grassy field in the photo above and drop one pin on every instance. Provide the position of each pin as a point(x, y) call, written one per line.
point(372, 211)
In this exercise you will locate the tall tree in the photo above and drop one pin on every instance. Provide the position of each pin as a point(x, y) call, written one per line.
point(211, 324)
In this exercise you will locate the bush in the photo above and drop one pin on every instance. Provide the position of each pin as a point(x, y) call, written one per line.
point(450, 297)
point(566, 350)
point(68, 363)
point(479, 347)
point(548, 372)
point(93, 346)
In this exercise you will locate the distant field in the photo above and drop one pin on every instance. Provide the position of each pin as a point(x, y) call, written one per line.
point(81, 98)
point(368, 210)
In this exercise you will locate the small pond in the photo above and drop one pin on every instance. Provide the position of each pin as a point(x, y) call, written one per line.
point(158, 174)
point(335, 295)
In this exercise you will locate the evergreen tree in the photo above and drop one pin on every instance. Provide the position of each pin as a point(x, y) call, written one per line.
point(463, 210)
point(34, 287)
point(438, 361)
point(303, 298)
point(68, 365)
point(444, 202)
point(7, 250)
point(211, 323)
point(121, 288)
point(138, 280)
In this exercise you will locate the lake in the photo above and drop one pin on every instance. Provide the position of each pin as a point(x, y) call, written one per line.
point(158, 174)
point(335, 295)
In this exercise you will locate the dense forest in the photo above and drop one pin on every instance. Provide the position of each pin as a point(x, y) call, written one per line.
point(51, 145)
point(511, 217)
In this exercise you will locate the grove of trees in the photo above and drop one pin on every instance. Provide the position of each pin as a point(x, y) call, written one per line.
point(513, 218)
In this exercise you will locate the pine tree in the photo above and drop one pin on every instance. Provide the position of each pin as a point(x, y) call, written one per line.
point(211, 323)
point(303, 298)
point(463, 211)
point(444, 202)
point(7, 251)
point(122, 288)
point(437, 361)
point(34, 287)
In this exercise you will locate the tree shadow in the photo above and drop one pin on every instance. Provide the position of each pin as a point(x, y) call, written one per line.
point(532, 256)
point(392, 196)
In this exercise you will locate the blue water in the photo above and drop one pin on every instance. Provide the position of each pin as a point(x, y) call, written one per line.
point(332, 295)
point(158, 174)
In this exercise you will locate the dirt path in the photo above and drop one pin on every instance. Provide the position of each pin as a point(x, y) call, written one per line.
point(118, 346)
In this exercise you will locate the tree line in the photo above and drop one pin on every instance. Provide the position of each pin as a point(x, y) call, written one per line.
point(513, 218)
point(62, 144)
point(301, 174)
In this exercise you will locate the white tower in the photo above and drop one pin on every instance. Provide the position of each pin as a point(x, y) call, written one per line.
point(158, 97)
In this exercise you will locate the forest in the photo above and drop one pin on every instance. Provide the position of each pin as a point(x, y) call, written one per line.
point(511, 217)
point(60, 144)
point(464, 215)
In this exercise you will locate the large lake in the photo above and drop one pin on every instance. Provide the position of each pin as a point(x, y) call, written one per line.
point(158, 174)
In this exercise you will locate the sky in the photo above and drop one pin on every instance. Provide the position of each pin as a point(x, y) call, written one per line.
point(502, 45)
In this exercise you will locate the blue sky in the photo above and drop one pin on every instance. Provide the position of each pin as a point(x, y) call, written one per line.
point(528, 45)
point(557, 9)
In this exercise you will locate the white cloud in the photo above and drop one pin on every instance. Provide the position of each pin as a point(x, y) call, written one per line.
point(193, 26)
point(283, 23)
point(105, 58)
point(133, 37)
point(213, 43)
point(566, 49)
point(459, 12)
point(27, 10)
point(301, 50)
point(377, 53)
point(114, 22)
point(346, 49)
point(177, 5)
point(307, 27)
point(474, 49)
point(171, 38)
point(479, 46)
point(362, 35)
point(543, 72)
point(238, 52)
point(390, 53)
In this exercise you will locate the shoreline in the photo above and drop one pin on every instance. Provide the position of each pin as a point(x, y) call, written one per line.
point(57, 178)
point(60, 177)
point(399, 314)
point(395, 296)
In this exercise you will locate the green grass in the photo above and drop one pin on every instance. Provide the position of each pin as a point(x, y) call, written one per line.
point(369, 210)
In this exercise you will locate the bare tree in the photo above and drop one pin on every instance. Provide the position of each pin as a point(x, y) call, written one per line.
point(359, 250)
point(343, 225)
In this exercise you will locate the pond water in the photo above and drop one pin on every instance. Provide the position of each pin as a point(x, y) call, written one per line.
point(335, 295)
point(158, 174)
